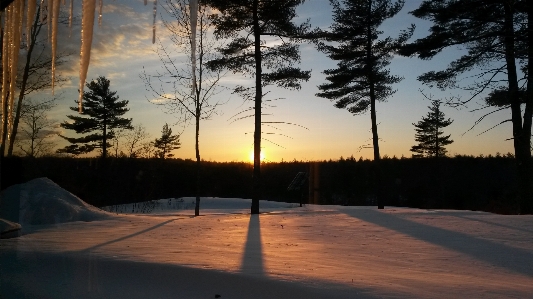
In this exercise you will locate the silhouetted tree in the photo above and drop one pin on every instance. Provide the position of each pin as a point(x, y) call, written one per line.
point(429, 134)
point(247, 23)
point(172, 85)
point(166, 143)
point(104, 110)
point(495, 34)
point(361, 77)
point(37, 128)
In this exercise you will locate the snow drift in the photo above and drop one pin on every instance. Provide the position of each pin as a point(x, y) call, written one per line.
point(41, 201)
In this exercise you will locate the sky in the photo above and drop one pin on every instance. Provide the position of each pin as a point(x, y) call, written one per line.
point(122, 49)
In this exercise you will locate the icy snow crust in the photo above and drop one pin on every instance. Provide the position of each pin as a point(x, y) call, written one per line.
point(288, 252)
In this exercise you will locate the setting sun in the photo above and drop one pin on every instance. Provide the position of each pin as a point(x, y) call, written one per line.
point(251, 156)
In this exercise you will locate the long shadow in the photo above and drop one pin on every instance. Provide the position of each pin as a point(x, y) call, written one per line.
point(495, 224)
point(128, 236)
point(514, 259)
point(252, 258)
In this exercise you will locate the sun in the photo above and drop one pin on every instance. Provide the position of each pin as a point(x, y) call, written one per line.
point(251, 156)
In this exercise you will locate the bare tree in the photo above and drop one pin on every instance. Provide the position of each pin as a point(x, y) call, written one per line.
point(36, 130)
point(135, 141)
point(172, 86)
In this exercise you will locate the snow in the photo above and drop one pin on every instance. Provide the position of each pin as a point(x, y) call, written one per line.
point(285, 252)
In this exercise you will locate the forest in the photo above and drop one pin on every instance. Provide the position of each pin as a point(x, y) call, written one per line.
point(461, 182)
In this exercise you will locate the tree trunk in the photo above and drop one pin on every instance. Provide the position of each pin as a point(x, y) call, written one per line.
point(4, 123)
point(198, 163)
point(256, 193)
point(522, 149)
point(104, 145)
point(526, 206)
point(375, 138)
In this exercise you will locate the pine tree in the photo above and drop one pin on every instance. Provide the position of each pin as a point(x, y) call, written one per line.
point(361, 77)
point(248, 23)
point(495, 34)
point(166, 143)
point(429, 134)
point(103, 108)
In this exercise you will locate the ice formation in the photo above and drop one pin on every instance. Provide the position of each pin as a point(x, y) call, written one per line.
point(32, 5)
point(87, 24)
point(55, 17)
point(153, 26)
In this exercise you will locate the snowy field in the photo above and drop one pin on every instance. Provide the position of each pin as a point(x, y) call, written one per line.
point(157, 250)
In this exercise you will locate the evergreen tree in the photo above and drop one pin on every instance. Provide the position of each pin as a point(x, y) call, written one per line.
point(429, 132)
point(103, 108)
point(495, 33)
point(247, 23)
point(166, 143)
point(361, 77)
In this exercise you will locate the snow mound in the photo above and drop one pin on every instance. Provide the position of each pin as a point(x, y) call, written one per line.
point(9, 229)
point(41, 201)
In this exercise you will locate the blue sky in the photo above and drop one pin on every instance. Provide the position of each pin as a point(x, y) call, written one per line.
point(122, 47)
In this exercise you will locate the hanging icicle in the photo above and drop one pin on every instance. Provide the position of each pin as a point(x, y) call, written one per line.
point(30, 17)
point(41, 7)
point(71, 12)
point(87, 25)
point(5, 68)
point(100, 5)
point(193, 7)
point(49, 19)
point(153, 26)
point(55, 20)
point(15, 27)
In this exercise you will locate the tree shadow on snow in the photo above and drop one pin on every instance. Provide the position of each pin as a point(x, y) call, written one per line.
point(507, 257)
point(89, 249)
point(252, 258)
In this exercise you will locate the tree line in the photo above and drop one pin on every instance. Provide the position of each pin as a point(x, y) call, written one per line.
point(494, 33)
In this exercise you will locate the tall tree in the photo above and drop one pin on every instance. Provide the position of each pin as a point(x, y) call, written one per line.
point(172, 85)
point(429, 134)
point(166, 143)
point(361, 77)
point(248, 24)
point(103, 108)
point(496, 34)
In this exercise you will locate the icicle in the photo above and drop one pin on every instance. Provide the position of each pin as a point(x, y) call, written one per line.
point(41, 7)
point(55, 19)
point(49, 18)
point(18, 14)
point(100, 12)
point(87, 25)
point(71, 12)
point(30, 17)
point(193, 6)
point(5, 60)
point(153, 27)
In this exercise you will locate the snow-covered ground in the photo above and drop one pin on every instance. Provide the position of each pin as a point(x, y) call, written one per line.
point(286, 252)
